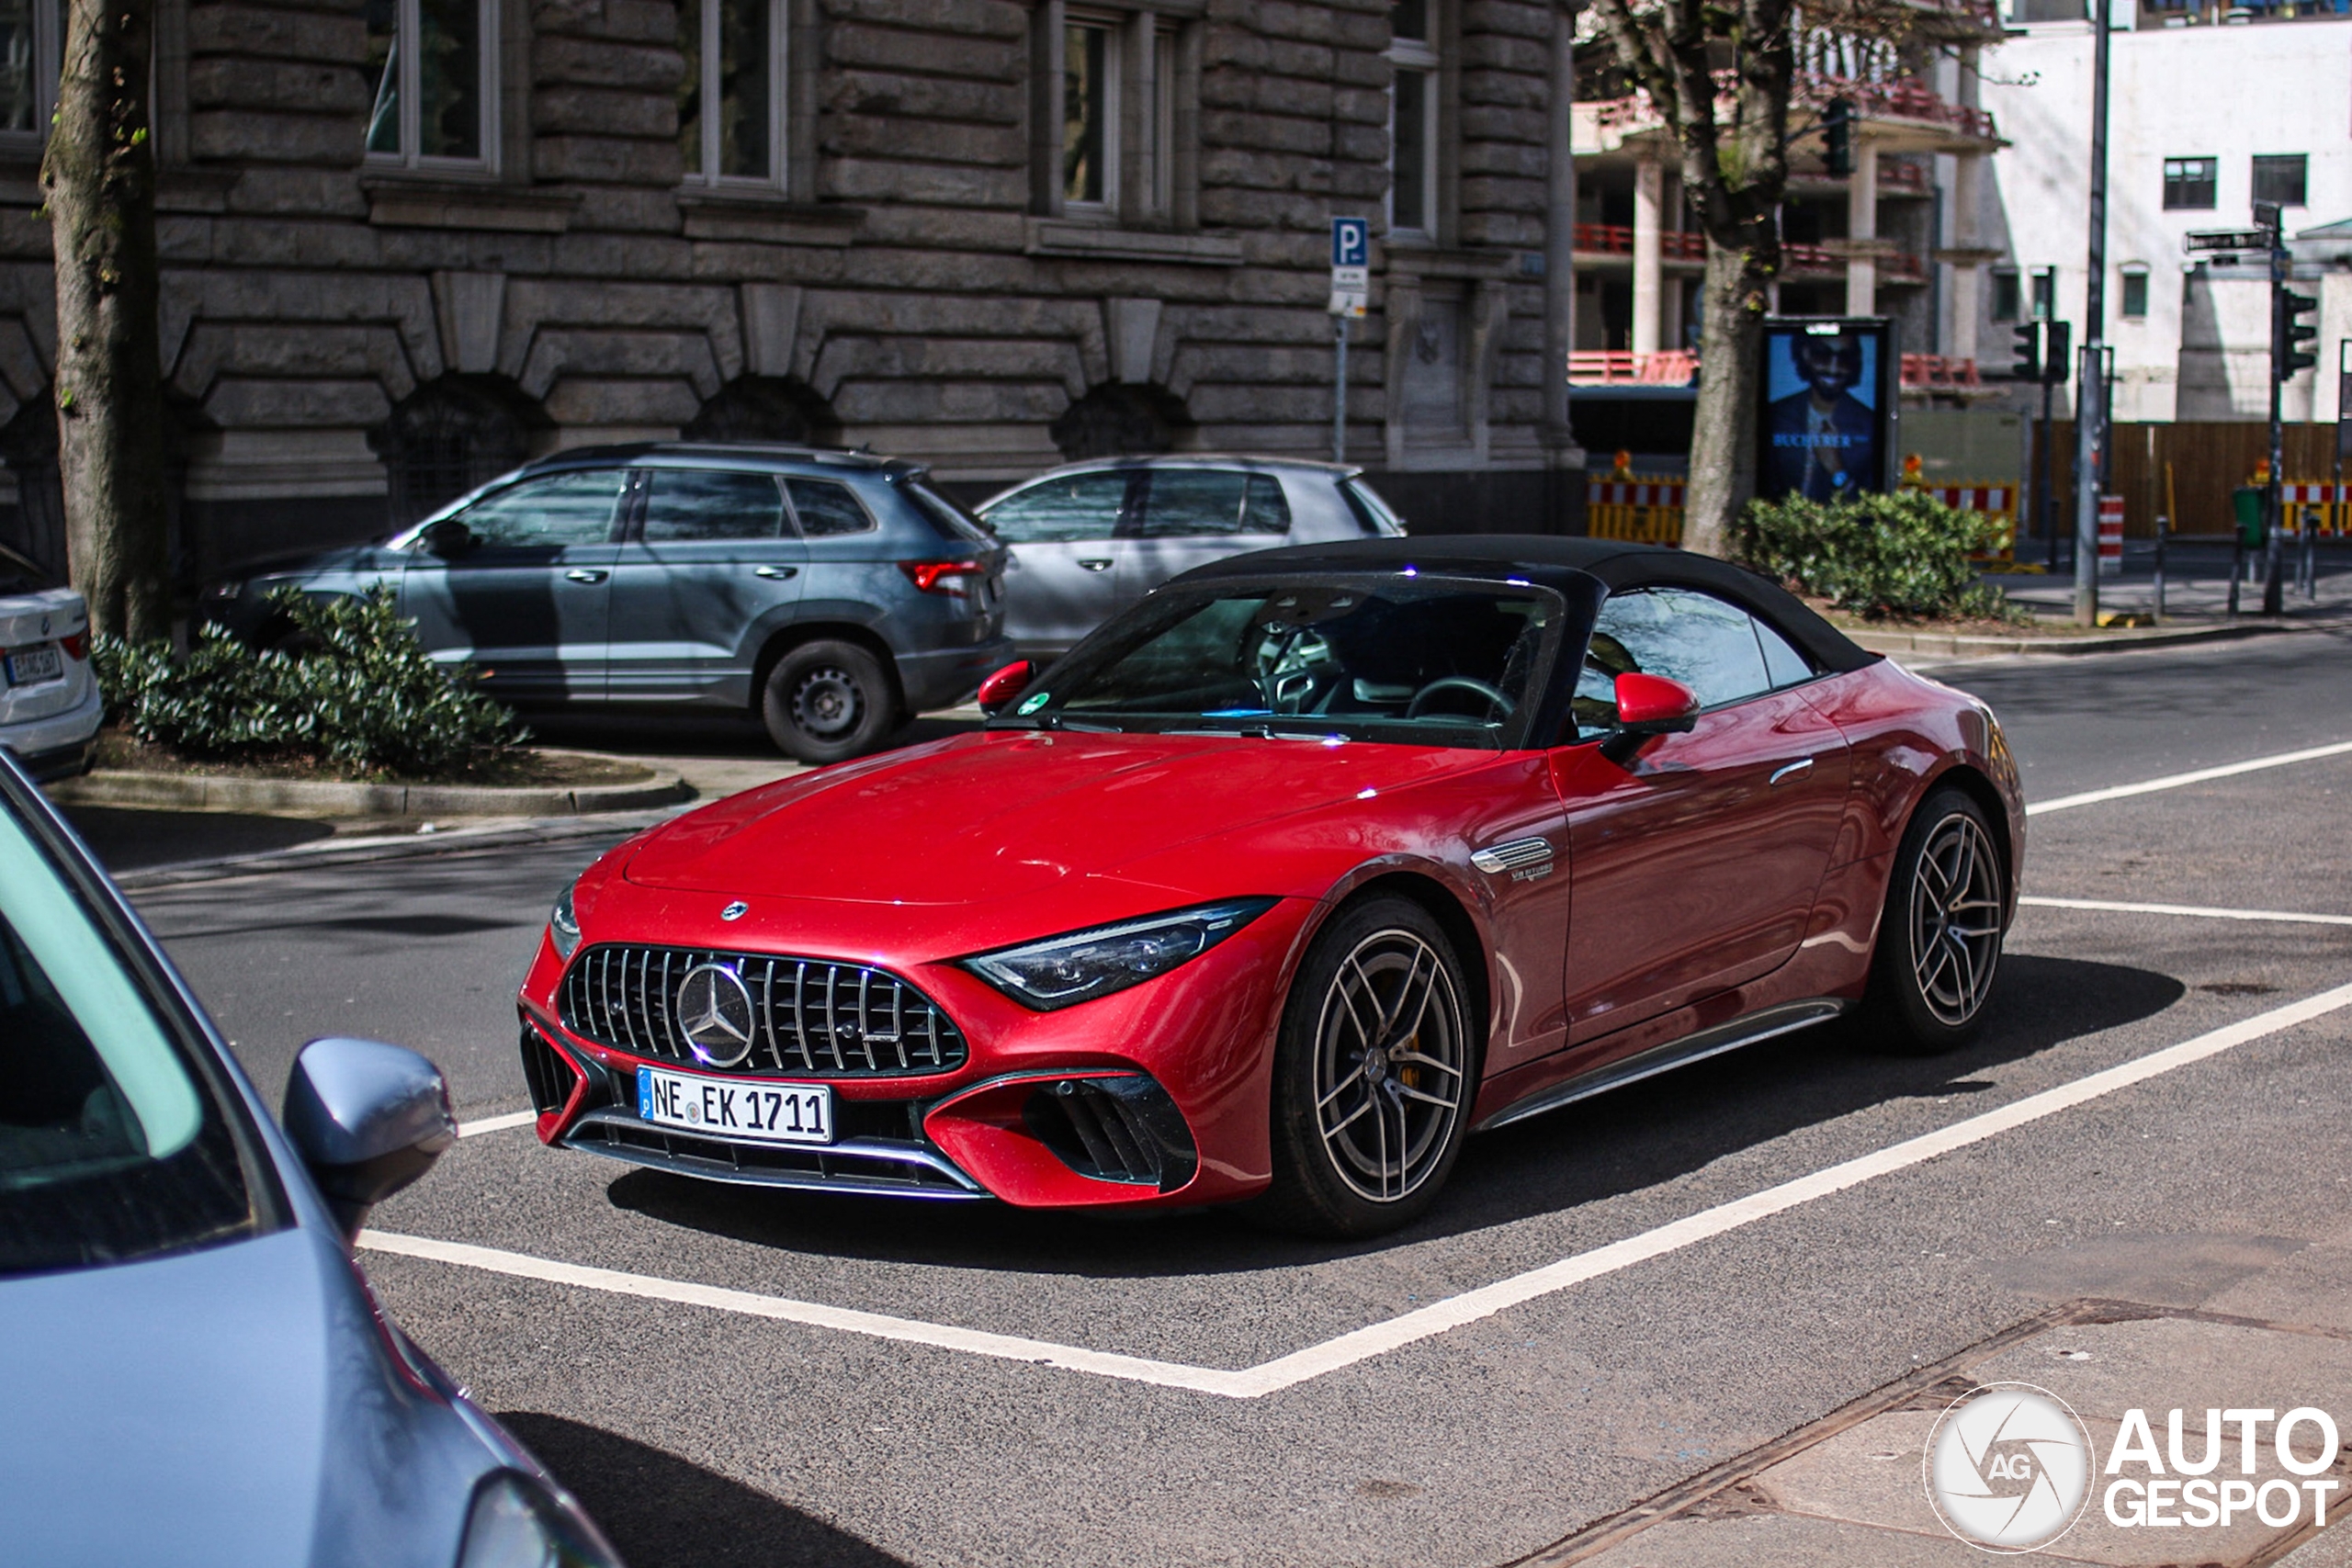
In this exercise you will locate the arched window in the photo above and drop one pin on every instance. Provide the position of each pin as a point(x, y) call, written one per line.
point(448, 437)
point(1122, 421)
point(765, 408)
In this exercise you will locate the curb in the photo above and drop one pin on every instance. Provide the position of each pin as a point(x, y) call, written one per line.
point(1951, 646)
point(488, 838)
point(308, 797)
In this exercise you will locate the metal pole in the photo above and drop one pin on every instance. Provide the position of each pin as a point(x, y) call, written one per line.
point(2090, 417)
point(2273, 523)
point(1339, 391)
point(2049, 477)
point(1562, 459)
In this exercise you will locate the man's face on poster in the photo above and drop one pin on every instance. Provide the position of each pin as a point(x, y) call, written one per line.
point(1830, 366)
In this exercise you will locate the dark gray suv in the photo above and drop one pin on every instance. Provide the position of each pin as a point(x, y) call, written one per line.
point(833, 593)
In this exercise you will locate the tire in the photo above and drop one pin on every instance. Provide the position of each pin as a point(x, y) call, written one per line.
point(1359, 1148)
point(1940, 939)
point(827, 701)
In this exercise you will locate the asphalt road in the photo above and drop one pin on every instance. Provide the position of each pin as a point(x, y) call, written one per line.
point(778, 1428)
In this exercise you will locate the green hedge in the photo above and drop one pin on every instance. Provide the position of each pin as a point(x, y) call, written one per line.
point(1902, 554)
point(354, 693)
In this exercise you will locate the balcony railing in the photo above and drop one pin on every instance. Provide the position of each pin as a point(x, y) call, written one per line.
point(1591, 367)
point(1617, 240)
point(1904, 98)
point(1935, 371)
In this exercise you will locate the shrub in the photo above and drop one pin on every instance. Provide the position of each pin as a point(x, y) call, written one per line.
point(1903, 554)
point(354, 693)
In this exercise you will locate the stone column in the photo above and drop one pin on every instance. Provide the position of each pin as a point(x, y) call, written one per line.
point(1862, 231)
point(1649, 203)
point(1967, 193)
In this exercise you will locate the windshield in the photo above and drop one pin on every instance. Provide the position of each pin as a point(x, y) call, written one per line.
point(1426, 663)
point(111, 1146)
point(951, 520)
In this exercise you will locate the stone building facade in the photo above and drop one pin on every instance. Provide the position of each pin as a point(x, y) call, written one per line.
point(410, 243)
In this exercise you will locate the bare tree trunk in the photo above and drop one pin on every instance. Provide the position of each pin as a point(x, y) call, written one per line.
point(1723, 434)
point(100, 179)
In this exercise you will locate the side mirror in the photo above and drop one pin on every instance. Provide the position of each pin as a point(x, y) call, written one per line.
point(367, 1119)
point(1652, 705)
point(999, 689)
point(448, 538)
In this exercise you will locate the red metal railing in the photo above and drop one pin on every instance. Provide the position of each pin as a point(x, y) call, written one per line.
point(1936, 370)
point(1616, 239)
point(1904, 99)
point(1595, 368)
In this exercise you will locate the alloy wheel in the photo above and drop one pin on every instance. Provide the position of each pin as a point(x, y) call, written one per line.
point(1390, 1080)
point(1955, 919)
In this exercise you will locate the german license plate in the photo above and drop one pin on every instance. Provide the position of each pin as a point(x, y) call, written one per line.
point(31, 666)
point(737, 1110)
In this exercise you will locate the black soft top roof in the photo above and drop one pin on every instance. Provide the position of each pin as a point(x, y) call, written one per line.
point(1618, 566)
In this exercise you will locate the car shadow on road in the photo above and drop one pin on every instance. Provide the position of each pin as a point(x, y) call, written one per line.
point(1633, 1138)
point(662, 1511)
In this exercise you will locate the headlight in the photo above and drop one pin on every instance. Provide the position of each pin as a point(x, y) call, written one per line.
point(564, 926)
point(1065, 970)
point(517, 1523)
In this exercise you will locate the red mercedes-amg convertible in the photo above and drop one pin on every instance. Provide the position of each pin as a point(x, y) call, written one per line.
point(1285, 881)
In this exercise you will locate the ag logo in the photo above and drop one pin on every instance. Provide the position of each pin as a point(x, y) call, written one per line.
point(715, 1014)
point(2008, 1468)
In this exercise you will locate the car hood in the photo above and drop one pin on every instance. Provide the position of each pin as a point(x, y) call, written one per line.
point(1014, 814)
point(232, 1406)
point(311, 563)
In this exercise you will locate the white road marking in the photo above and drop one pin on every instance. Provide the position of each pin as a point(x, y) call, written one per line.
point(1439, 1317)
point(2194, 911)
point(2177, 781)
point(497, 1123)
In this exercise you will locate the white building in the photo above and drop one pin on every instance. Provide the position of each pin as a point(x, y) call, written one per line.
point(2209, 111)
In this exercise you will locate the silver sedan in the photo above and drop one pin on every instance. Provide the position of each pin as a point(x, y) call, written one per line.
point(1091, 538)
point(49, 708)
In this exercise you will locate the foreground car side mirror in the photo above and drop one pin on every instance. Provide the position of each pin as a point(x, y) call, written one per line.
point(448, 538)
point(1000, 689)
point(1653, 704)
point(367, 1119)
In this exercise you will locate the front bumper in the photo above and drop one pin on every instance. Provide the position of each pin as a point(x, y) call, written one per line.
point(1154, 1095)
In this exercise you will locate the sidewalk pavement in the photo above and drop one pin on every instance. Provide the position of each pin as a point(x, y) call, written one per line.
point(2155, 1324)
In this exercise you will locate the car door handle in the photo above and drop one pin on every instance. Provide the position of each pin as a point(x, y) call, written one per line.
point(1094, 563)
point(1797, 769)
point(584, 574)
point(775, 573)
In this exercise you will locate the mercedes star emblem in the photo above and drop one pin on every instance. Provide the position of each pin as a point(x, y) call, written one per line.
point(735, 911)
point(715, 1014)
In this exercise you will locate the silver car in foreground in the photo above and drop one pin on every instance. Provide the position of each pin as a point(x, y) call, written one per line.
point(196, 1373)
point(49, 708)
point(1091, 538)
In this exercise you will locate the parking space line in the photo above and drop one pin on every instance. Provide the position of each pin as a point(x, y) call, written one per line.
point(1425, 1323)
point(2175, 780)
point(497, 1123)
point(2193, 912)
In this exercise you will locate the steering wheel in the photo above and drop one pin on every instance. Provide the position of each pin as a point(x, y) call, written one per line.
point(1502, 705)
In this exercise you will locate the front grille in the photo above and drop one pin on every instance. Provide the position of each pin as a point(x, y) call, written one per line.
point(809, 1016)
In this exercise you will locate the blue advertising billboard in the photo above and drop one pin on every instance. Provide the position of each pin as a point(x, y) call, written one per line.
point(1828, 388)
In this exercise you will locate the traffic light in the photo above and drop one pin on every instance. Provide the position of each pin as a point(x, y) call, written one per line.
point(2029, 352)
point(2289, 356)
point(1837, 136)
point(2058, 353)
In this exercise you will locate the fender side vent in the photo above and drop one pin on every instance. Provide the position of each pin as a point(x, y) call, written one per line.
point(1122, 1129)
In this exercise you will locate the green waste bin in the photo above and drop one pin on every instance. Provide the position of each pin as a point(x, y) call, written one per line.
point(2246, 501)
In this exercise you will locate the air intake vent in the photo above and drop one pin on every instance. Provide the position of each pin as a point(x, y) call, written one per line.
point(1115, 1129)
point(551, 1076)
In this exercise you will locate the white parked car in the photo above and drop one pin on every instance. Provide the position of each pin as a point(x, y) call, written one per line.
point(1091, 538)
point(50, 707)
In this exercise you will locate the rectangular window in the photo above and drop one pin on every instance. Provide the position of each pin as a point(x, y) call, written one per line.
point(731, 112)
point(32, 41)
point(433, 63)
point(2045, 293)
point(1412, 121)
point(2281, 177)
point(2192, 184)
point(2005, 296)
point(2135, 292)
point(1089, 114)
point(1163, 121)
